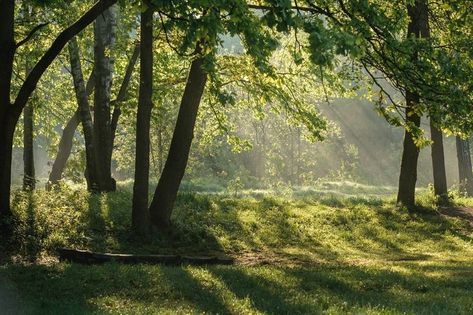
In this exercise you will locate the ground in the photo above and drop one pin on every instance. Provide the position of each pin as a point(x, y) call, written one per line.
point(331, 249)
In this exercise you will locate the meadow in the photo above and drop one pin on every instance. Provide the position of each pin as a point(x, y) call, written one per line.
point(337, 247)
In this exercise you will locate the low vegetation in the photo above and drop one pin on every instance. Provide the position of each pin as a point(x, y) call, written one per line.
point(318, 250)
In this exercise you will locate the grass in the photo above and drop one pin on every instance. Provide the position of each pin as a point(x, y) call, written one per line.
point(299, 251)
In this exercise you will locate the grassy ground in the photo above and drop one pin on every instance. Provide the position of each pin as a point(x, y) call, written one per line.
point(335, 248)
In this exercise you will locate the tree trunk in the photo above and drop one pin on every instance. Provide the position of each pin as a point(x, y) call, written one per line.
point(176, 162)
point(160, 149)
point(464, 167)
point(122, 92)
point(67, 138)
point(140, 217)
point(104, 31)
point(410, 155)
point(438, 163)
point(64, 150)
point(65, 144)
point(29, 181)
point(7, 122)
point(85, 115)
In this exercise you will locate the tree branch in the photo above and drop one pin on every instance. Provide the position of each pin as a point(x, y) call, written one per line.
point(61, 40)
point(31, 34)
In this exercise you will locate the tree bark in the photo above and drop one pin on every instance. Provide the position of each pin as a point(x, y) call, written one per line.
point(104, 31)
point(123, 90)
point(410, 154)
point(65, 144)
point(67, 138)
point(85, 115)
point(465, 172)
point(140, 216)
point(64, 150)
point(8, 122)
point(29, 181)
point(176, 162)
point(7, 119)
point(438, 163)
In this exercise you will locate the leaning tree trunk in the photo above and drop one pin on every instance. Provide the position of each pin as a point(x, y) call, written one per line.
point(65, 144)
point(140, 218)
point(438, 163)
point(176, 162)
point(67, 138)
point(64, 150)
point(123, 90)
point(85, 115)
point(104, 32)
point(464, 167)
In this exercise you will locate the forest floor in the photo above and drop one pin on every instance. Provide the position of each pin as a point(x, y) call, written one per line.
point(338, 248)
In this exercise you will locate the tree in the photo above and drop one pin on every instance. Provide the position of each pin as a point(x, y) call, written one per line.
point(465, 173)
point(10, 111)
point(104, 36)
point(140, 217)
point(408, 174)
point(438, 163)
point(67, 137)
point(85, 116)
point(165, 195)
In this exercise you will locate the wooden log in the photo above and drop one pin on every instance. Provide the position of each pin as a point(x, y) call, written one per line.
point(88, 257)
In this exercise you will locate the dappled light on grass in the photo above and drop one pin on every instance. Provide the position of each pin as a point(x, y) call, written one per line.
point(395, 288)
point(302, 229)
point(302, 252)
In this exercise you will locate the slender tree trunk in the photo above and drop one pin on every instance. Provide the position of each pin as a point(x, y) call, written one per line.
point(67, 138)
point(438, 163)
point(140, 217)
point(65, 144)
point(123, 90)
point(64, 150)
point(176, 162)
point(85, 115)
point(160, 149)
point(410, 156)
point(104, 32)
point(29, 181)
point(464, 167)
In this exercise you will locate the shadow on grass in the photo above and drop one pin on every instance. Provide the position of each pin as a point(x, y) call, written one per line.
point(309, 230)
point(75, 289)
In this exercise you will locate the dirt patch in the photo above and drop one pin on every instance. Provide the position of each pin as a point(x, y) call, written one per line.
point(459, 212)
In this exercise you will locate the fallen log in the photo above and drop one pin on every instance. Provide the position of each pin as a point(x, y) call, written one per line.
point(88, 257)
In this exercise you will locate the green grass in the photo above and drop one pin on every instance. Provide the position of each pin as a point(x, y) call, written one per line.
point(334, 248)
